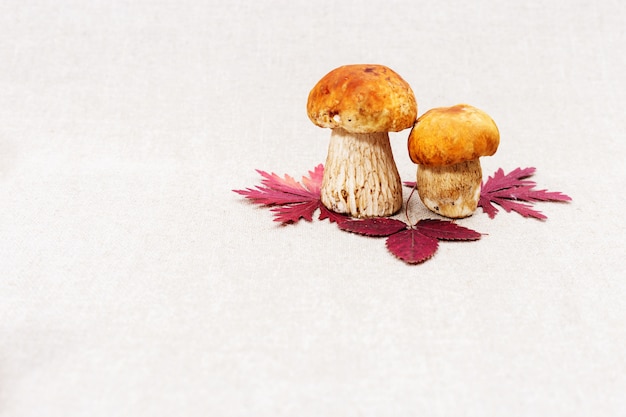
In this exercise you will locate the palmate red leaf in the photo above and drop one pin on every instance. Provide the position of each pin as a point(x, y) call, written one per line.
point(419, 243)
point(411, 246)
point(276, 190)
point(290, 200)
point(511, 191)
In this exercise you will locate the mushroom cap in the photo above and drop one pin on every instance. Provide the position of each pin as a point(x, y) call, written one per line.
point(450, 135)
point(362, 98)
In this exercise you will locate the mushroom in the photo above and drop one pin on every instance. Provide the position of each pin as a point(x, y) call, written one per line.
point(361, 104)
point(447, 143)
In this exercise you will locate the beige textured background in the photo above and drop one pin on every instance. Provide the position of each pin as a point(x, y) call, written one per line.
point(133, 282)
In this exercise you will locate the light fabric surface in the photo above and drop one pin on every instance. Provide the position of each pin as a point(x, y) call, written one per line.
point(134, 282)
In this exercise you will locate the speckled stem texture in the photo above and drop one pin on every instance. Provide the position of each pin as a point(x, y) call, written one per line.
point(360, 175)
point(451, 190)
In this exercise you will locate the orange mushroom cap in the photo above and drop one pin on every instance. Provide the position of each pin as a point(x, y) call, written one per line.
point(362, 98)
point(450, 135)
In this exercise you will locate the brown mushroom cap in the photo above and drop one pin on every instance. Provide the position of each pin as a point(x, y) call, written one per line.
point(450, 135)
point(362, 99)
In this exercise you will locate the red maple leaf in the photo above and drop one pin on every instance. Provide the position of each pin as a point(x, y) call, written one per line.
point(412, 244)
point(291, 200)
point(515, 192)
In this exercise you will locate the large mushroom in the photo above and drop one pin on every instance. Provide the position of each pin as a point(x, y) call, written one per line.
point(447, 143)
point(361, 104)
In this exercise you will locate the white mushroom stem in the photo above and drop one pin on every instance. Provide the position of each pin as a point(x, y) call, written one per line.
point(360, 175)
point(452, 190)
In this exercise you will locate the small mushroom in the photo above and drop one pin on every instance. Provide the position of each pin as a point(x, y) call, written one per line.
point(361, 104)
point(447, 143)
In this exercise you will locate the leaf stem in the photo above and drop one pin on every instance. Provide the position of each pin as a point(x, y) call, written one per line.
point(406, 209)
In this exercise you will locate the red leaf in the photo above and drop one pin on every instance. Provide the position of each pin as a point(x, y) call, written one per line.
point(411, 246)
point(293, 200)
point(445, 230)
point(512, 190)
point(375, 227)
point(277, 190)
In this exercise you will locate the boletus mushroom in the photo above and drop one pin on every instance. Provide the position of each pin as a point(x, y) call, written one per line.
point(361, 104)
point(447, 143)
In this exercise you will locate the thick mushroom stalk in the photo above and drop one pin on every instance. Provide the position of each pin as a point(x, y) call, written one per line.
point(450, 190)
point(360, 175)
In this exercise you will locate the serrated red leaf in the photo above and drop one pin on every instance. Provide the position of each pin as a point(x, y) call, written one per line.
point(276, 190)
point(411, 246)
point(291, 200)
point(445, 230)
point(374, 227)
point(511, 191)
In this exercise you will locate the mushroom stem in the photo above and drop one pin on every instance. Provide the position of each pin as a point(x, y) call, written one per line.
point(450, 190)
point(360, 175)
